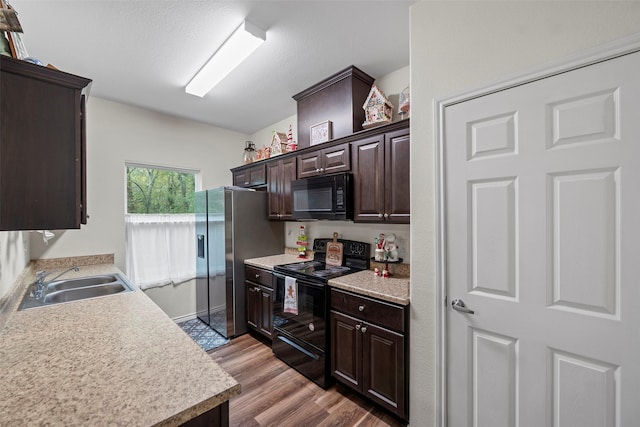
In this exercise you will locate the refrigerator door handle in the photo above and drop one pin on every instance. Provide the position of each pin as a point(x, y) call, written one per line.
point(200, 246)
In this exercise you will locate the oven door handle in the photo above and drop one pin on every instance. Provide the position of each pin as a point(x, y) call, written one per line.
point(297, 347)
point(300, 281)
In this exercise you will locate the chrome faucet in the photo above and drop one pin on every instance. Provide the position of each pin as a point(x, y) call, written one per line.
point(42, 274)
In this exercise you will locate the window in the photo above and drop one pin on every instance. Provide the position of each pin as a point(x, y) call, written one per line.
point(160, 224)
point(151, 190)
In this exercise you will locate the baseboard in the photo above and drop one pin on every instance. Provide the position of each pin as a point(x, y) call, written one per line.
point(184, 318)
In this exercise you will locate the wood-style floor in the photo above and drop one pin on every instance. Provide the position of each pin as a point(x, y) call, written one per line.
point(273, 394)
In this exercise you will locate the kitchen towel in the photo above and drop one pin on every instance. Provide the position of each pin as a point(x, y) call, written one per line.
point(290, 295)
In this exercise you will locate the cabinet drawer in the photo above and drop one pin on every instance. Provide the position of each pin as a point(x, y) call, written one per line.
point(258, 275)
point(368, 309)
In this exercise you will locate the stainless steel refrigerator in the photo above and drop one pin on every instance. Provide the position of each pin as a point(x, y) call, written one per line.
point(231, 226)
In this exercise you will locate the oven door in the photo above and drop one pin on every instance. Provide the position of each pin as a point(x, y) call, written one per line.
point(309, 323)
point(300, 339)
point(322, 197)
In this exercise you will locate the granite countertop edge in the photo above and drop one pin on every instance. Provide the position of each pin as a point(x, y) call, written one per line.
point(145, 344)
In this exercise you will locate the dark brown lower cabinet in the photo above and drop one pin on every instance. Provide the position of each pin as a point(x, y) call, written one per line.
point(259, 301)
point(218, 416)
point(367, 355)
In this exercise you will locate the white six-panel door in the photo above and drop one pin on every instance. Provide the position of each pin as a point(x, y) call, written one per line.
point(542, 230)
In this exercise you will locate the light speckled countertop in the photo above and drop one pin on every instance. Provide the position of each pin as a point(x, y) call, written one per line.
point(112, 360)
point(269, 262)
point(392, 289)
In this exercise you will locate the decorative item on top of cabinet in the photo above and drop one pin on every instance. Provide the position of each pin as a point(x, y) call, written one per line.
point(369, 348)
point(43, 142)
point(280, 174)
point(259, 300)
point(378, 110)
point(324, 161)
point(381, 175)
point(253, 176)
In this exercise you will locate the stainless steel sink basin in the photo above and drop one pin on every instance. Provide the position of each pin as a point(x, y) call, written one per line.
point(83, 293)
point(68, 290)
point(61, 285)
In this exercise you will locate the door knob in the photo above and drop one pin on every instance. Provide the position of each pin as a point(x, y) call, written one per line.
point(460, 306)
point(363, 329)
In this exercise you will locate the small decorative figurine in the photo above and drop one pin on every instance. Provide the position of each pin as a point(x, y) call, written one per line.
point(291, 144)
point(378, 110)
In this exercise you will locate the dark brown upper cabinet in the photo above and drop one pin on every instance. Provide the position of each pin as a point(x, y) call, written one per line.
point(42, 147)
point(280, 174)
point(324, 161)
point(381, 170)
point(254, 176)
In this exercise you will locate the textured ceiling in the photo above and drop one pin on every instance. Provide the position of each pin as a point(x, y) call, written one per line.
point(144, 52)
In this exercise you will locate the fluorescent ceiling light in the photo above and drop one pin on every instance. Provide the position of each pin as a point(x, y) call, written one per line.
point(244, 40)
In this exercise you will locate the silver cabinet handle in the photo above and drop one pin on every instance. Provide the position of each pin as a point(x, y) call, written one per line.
point(379, 215)
point(246, 183)
point(321, 169)
point(386, 215)
point(317, 169)
point(364, 329)
point(257, 276)
point(361, 308)
point(460, 306)
point(358, 327)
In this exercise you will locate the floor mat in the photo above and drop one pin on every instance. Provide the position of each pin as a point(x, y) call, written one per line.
point(202, 334)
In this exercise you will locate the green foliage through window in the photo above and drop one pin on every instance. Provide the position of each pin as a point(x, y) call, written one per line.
point(153, 190)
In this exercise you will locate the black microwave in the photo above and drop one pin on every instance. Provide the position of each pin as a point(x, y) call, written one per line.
point(322, 197)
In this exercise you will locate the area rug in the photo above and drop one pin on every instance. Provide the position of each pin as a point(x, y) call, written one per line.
point(202, 334)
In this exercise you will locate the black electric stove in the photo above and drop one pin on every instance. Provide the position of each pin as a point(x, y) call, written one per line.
point(356, 257)
point(300, 337)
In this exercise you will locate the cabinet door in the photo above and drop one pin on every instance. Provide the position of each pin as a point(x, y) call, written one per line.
point(288, 175)
point(41, 151)
point(241, 178)
point(253, 305)
point(397, 206)
point(257, 175)
point(309, 164)
point(266, 312)
point(383, 378)
point(273, 189)
point(336, 159)
point(346, 350)
point(368, 185)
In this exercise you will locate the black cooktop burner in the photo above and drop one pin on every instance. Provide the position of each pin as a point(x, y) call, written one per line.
point(315, 269)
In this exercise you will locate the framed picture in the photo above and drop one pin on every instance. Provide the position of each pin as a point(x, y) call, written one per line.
point(320, 132)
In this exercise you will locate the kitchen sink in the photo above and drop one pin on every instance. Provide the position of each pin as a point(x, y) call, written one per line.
point(68, 290)
point(83, 293)
point(61, 285)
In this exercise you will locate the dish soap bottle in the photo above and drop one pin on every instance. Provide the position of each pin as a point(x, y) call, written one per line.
point(302, 243)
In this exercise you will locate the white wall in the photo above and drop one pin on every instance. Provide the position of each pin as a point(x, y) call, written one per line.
point(456, 46)
point(118, 133)
point(14, 256)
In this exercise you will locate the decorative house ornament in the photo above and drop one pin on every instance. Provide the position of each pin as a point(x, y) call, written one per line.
point(378, 110)
point(278, 143)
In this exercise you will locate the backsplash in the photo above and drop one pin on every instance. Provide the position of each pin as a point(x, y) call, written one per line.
point(351, 231)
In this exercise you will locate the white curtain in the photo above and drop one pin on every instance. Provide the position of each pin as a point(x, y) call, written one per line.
point(160, 248)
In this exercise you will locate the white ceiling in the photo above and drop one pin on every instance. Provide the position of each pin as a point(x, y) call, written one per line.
point(143, 53)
